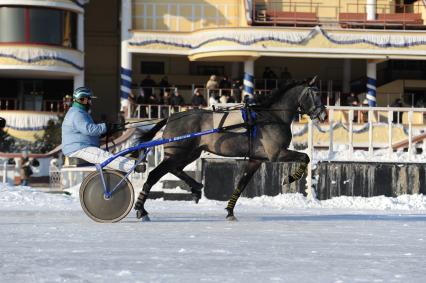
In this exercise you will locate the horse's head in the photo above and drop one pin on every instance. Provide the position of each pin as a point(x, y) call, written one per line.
point(310, 102)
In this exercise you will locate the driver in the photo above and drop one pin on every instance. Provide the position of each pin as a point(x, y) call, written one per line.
point(80, 135)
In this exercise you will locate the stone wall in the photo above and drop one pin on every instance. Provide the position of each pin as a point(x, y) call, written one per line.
point(331, 178)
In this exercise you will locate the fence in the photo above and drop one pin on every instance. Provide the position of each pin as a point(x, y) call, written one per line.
point(7, 173)
point(348, 15)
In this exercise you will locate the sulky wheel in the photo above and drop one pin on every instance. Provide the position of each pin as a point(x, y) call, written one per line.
point(101, 208)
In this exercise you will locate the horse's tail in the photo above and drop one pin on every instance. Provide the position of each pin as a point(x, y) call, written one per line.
point(151, 133)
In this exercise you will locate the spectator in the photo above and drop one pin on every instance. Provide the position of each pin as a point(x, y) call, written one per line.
point(147, 86)
point(397, 116)
point(363, 115)
point(26, 170)
point(166, 100)
point(225, 85)
point(223, 98)
point(286, 75)
point(67, 101)
point(198, 99)
point(212, 83)
point(176, 100)
point(237, 88)
point(213, 100)
point(270, 78)
point(164, 85)
point(212, 86)
point(141, 97)
point(352, 100)
point(269, 74)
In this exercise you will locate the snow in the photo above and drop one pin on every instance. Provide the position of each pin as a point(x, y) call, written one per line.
point(288, 238)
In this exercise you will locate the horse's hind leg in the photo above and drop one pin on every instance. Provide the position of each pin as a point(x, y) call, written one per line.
point(193, 184)
point(289, 156)
point(162, 169)
point(249, 170)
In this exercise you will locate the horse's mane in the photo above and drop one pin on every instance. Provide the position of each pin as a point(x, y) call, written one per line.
point(267, 99)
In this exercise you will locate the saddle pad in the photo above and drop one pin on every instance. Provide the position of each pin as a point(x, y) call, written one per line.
point(229, 118)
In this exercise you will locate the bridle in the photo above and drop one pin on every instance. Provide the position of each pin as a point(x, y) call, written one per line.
point(315, 111)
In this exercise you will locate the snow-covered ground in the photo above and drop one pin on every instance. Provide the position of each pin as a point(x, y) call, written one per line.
point(288, 238)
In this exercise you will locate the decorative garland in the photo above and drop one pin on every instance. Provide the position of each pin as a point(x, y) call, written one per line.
point(250, 37)
point(33, 55)
point(27, 122)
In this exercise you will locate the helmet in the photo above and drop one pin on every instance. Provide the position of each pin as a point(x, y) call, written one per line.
point(83, 92)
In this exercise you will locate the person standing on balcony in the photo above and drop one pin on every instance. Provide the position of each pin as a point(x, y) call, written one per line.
point(80, 134)
point(164, 85)
point(286, 75)
point(198, 99)
point(270, 78)
point(147, 86)
point(212, 87)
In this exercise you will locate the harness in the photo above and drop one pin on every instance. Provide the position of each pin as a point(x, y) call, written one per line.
point(251, 121)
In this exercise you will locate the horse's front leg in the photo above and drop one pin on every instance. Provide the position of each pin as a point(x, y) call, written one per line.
point(162, 169)
point(249, 170)
point(287, 155)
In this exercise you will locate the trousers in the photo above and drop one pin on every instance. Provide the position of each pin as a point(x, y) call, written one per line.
point(97, 155)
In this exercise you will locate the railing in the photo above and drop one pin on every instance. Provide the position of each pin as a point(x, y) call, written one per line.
point(53, 105)
point(351, 15)
point(47, 106)
point(156, 111)
point(9, 103)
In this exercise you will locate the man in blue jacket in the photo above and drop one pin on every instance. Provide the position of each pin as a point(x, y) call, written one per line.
point(80, 134)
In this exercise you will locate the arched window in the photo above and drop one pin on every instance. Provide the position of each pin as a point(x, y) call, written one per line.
point(34, 25)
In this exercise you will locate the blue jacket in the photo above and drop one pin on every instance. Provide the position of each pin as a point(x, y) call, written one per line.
point(79, 131)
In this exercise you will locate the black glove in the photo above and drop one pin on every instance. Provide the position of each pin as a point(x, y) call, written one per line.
point(113, 128)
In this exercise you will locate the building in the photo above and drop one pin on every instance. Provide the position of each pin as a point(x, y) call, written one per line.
point(372, 47)
point(41, 52)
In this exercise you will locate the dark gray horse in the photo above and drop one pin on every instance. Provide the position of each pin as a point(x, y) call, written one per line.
point(274, 115)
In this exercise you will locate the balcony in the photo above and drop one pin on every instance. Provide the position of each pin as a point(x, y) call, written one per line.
point(349, 15)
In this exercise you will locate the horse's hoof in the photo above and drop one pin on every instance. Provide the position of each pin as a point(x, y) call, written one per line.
point(145, 218)
point(141, 213)
point(196, 192)
point(231, 218)
point(196, 198)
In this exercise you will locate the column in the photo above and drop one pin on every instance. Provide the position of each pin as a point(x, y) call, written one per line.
point(371, 10)
point(249, 80)
point(79, 79)
point(126, 56)
point(346, 88)
point(371, 83)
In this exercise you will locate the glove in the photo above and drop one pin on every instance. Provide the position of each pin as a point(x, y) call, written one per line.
point(113, 128)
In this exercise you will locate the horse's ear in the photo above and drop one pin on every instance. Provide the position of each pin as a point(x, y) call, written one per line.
point(313, 81)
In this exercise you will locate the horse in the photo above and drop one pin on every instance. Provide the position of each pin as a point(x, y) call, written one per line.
point(272, 126)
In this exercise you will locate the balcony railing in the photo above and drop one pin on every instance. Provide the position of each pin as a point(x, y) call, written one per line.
point(46, 106)
point(349, 15)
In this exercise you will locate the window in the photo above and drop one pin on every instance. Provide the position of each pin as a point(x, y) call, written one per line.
point(12, 25)
point(152, 67)
point(206, 70)
point(38, 25)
